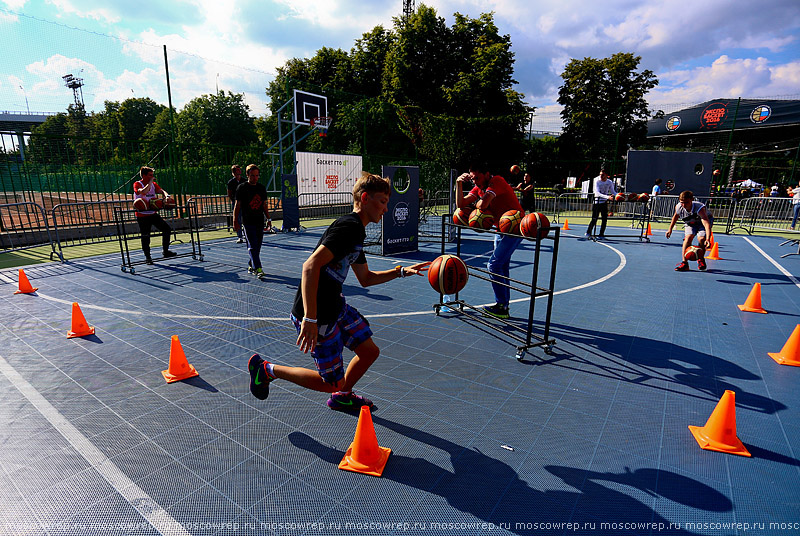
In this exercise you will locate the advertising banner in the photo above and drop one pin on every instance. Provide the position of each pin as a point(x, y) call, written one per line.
point(326, 179)
point(719, 115)
point(678, 171)
point(291, 208)
point(401, 221)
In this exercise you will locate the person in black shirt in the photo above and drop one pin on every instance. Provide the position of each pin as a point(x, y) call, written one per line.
point(325, 323)
point(233, 183)
point(251, 207)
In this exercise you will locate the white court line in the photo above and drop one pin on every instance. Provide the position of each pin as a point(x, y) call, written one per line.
point(606, 277)
point(783, 270)
point(136, 496)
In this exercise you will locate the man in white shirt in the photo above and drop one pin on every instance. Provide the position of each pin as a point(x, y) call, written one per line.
point(603, 193)
point(795, 193)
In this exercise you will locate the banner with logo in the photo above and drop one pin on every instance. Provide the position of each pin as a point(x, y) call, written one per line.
point(326, 179)
point(716, 115)
point(401, 221)
point(289, 203)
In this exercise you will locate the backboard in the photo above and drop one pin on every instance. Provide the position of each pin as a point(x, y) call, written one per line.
point(307, 106)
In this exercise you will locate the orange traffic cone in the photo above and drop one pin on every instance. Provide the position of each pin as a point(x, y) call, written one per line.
point(790, 354)
point(179, 369)
point(714, 255)
point(719, 433)
point(649, 231)
point(80, 328)
point(24, 285)
point(753, 303)
point(566, 225)
point(364, 455)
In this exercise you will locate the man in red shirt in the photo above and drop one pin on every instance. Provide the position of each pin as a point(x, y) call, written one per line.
point(144, 192)
point(492, 194)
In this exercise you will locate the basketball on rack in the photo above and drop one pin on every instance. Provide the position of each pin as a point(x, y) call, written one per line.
point(140, 204)
point(620, 197)
point(633, 196)
point(156, 204)
point(170, 202)
point(643, 198)
point(448, 274)
point(534, 222)
point(461, 217)
point(481, 220)
point(509, 222)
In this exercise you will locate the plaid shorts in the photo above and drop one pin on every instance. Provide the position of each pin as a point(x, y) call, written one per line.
point(350, 329)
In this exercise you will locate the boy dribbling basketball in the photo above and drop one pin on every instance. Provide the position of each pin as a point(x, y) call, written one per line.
point(325, 323)
point(695, 219)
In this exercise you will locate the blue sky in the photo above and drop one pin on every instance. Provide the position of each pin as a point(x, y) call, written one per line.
point(698, 50)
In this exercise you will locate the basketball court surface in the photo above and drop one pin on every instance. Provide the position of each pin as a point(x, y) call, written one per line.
point(591, 439)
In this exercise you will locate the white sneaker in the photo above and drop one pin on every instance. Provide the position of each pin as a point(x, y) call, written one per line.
point(240, 241)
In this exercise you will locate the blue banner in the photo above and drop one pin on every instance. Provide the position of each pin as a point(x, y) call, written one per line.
point(289, 203)
point(401, 222)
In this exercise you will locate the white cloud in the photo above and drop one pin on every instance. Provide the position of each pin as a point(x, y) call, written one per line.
point(99, 14)
point(727, 78)
point(16, 5)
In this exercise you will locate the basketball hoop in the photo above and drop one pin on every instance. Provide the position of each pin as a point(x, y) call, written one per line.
point(322, 124)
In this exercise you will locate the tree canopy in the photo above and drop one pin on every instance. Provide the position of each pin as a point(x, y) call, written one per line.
point(604, 105)
point(442, 92)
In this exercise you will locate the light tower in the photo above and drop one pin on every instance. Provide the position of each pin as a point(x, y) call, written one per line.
point(75, 84)
point(408, 9)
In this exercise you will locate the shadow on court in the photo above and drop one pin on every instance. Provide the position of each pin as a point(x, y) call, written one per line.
point(493, 491)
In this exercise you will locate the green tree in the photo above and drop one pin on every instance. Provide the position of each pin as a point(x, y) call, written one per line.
point(214, 120)
point(135, 115)
point(604, 105)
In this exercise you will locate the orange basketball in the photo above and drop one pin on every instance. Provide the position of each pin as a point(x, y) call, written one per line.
point(620, 197)
point(481, 220)
point(461, 217)
point(140, 204)
point(448, 274)
point(156, 204)
point(170, 202)
point(533, 222)
point(693, 253)
point(644, 198)
point(632, 196)
point(509, 222)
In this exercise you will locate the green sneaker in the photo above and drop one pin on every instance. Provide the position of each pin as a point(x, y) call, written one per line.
point(497, 310)
point(260, 273)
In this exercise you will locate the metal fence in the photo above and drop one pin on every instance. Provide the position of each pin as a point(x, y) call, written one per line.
point(763, 213)
point(24, 226)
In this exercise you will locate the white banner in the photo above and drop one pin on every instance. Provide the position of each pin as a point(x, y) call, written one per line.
point(326, 179)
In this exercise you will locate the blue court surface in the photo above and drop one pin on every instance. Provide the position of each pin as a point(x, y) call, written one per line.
point(592, 439)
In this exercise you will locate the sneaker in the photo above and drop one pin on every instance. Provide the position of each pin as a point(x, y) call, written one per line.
point(260, 273)
point(240, 241)
point(497, 310)
point(251, 270)
point(682, 267)
point(168, 254)
point(259, 379)
point(349, 401)
point(701, 265)
point(601, 237)
point(587, 236)
point(148, 260)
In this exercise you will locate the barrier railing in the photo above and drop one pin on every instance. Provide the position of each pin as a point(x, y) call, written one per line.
point(92, 222)
point(127, 228)
point(24, 226)
point(764, 213)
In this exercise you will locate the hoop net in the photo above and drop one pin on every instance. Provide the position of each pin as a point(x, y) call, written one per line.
point(322, 124)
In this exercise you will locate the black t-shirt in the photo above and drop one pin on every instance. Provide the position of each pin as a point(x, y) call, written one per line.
point(232, 185)
point(345, 238)
point(252, 197)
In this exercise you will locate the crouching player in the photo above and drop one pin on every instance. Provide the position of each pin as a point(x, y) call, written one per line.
point(325, 323)
point(696, 222)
